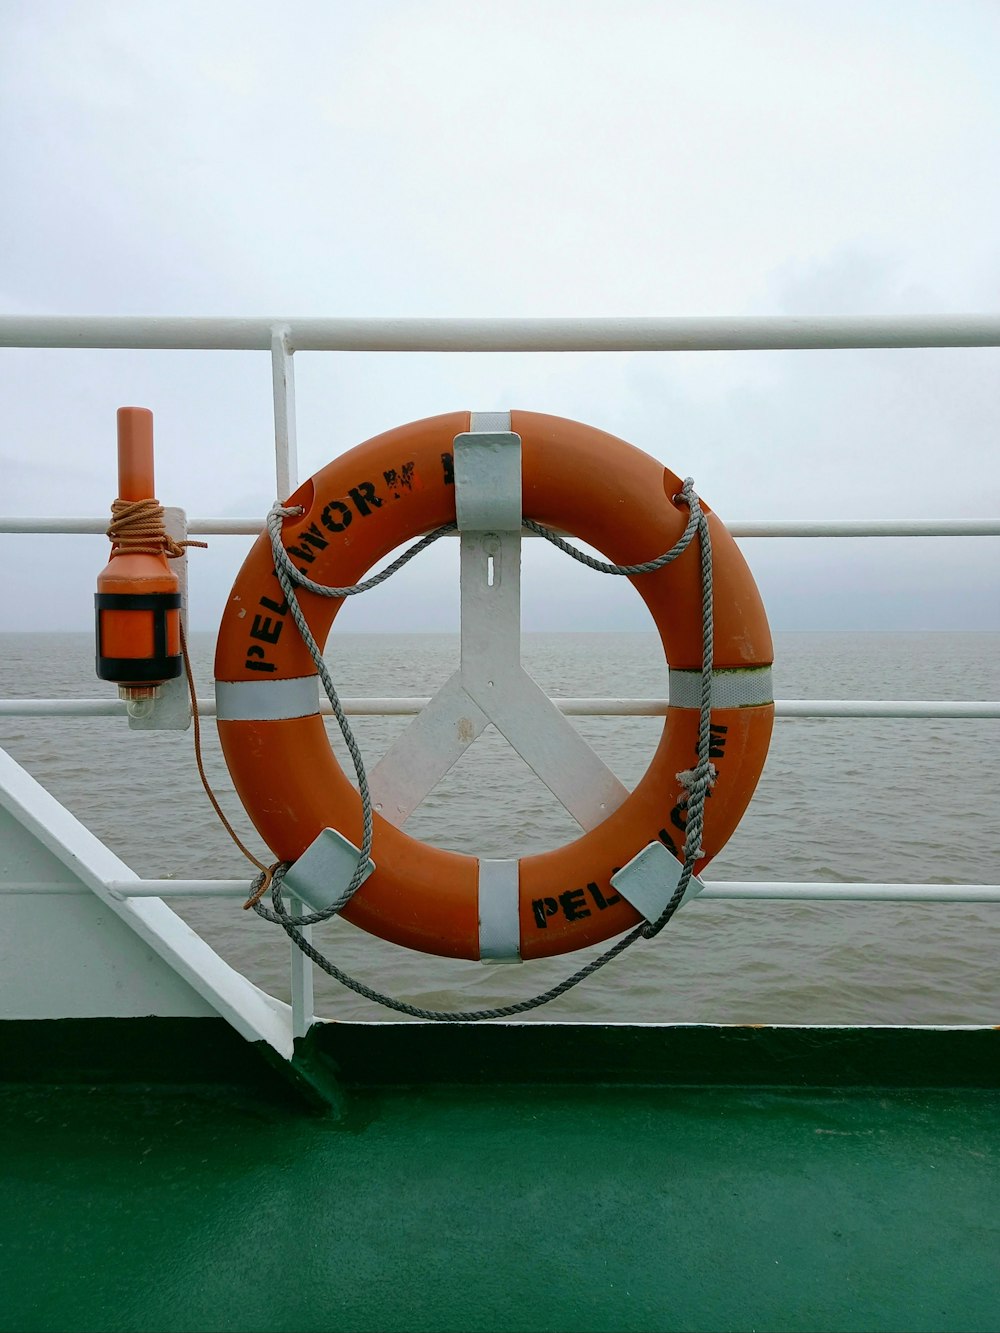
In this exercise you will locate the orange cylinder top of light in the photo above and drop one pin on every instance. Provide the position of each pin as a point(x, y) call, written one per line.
point(135, 454)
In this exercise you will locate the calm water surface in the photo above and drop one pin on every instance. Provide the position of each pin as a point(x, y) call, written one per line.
point(839, 800)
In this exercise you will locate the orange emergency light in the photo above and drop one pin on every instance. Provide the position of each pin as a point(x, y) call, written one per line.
point(138, 602)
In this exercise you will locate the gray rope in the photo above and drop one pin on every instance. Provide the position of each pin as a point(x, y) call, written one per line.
point(288, 576)
point(605, 566)
point(698, 781)
point(282, 558)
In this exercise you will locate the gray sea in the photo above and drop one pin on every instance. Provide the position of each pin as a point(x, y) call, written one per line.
point(890, 800)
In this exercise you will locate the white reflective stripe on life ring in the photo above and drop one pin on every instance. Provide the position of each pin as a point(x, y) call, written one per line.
point(499, 912)
point(735, 687)
point(489, 422)
point(266, 700)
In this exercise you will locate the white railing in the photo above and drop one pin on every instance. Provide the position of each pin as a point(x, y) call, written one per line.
point(251, 527)
point(683, 334)
point(719, 890)
point(409, 707)
point(283, 337)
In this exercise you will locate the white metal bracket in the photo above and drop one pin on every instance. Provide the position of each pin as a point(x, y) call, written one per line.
point(488, 481)
point(491, 685)
point(324, 870)
point(170, 710)
point(648, 881)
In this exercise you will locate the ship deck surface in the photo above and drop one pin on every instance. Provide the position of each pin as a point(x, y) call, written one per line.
point(496, 1179)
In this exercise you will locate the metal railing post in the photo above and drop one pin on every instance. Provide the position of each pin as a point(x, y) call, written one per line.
point(286, 479)
point(286, 462)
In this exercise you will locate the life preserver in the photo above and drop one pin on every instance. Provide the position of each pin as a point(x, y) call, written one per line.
point(398, 486)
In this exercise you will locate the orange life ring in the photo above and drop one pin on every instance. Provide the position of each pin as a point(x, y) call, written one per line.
point(399, 486)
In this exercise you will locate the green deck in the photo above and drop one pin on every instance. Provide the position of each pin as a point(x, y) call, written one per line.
point(502, 1178)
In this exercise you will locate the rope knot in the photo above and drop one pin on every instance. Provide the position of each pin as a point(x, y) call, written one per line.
point(263, 881)
point(701, 778)
point(697, 783)
point(686, 495)
point(136, 528)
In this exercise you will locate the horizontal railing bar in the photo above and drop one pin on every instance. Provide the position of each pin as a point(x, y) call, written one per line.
point(214, 527)
point(408, 707)
point(182, 888)
point(66, 707)
point(250, 527)
point(136, 888)
point(718, 890)
point(612, 334)
point(804, 891)
point(886, 708)
point(955, 527)
point(715, 890)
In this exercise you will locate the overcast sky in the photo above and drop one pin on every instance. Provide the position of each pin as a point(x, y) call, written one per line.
point(375, 158)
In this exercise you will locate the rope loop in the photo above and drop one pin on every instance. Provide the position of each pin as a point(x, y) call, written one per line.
point(136, 528)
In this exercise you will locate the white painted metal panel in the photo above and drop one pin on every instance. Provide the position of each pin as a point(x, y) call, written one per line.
point(65, 953)
point(519, 709)
point(490, 574)
point(68, 955)
point(39, 838)
point(491, 685)
point(419, 758)
point(551, 746)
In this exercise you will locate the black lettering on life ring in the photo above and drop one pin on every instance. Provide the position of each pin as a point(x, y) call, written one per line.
point(600, 901)
point(543, 908)
point(717, 741)
point(571, 905)
point(308, 538)
point(267, 629)
point(667, 841)
point(364, 497)
point(255, 651)
point(336, 516)
point(401, 479)
point(574, 905)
